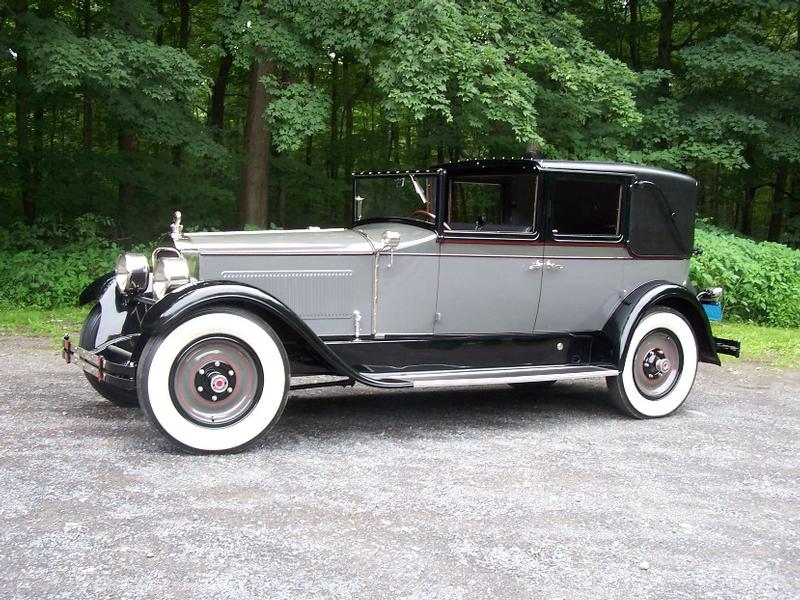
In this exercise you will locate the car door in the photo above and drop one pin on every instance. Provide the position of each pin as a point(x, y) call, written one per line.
point(584, 252)
point(490, 255)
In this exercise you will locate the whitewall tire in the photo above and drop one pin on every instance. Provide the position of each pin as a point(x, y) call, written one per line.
point(216, 383)
point(659, 366)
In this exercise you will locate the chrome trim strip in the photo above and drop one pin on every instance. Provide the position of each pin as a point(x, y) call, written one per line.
point(262, 231)
point(474, 377)
point(526, 256)
point(261, 251)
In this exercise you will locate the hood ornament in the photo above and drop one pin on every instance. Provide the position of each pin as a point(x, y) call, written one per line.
point(176, 229)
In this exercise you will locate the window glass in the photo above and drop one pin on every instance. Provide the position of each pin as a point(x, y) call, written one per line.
point(493, 203)
point(394, 196)
point(589, 208)
point(475, 200)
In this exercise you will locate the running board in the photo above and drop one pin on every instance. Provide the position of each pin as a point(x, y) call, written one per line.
point(467, 377)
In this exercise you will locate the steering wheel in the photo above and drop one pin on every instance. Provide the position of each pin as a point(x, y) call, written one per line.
point(429, 215)
point(421, 212)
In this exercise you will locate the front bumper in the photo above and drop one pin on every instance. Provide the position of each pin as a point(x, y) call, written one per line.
point(108, 363)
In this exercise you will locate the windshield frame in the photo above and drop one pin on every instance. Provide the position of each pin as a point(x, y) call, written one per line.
point(436, 204)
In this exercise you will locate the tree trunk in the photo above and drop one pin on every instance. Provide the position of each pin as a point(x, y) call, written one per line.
point(283, 192)
point(333, 161)
point(183, 28)
point(312, 74)
point(22, 106)
point(160, 29)
point(666, 24)
point(633, 35)
point(183, 44)
point(715, 208)
point(38, 145)
point(776, 220)
point(347, 105)
point(748, 199)
point(216, 113)
point(254, 194)
point(88, 116)
point(127, 143)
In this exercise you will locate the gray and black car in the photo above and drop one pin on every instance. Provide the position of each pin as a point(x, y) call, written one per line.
point(496, 271)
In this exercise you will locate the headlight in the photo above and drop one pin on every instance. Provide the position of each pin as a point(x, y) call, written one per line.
point(131, 272)
point(169, 272)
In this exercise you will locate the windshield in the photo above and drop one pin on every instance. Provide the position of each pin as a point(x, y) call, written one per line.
point(407, 195)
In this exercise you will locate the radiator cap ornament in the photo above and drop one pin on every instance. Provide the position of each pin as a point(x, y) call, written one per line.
point(176, 229)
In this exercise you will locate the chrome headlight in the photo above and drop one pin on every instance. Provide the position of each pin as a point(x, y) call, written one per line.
point(131, 271)
point(169, 272)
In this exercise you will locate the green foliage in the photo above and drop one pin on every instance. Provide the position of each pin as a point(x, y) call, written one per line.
point(47, 264)
point(761, 280)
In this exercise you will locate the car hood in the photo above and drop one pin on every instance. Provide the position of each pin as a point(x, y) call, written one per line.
point(290, 241)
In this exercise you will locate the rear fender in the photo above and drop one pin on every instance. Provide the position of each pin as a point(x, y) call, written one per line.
point(660, 293)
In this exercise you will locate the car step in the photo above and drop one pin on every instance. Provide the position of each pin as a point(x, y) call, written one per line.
point(467, 377)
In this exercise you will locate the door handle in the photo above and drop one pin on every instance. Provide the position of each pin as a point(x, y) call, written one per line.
point(535, 266)
point(551, 266)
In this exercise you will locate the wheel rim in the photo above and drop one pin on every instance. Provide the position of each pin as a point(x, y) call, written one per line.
point(657, 364)
point(216, 381)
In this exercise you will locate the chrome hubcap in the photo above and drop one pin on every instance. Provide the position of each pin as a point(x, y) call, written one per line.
point(657, 364)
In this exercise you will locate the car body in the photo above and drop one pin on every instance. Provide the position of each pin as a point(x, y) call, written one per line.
point(494, 271)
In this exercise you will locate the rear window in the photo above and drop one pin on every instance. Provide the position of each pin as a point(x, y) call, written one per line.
point(587, 208)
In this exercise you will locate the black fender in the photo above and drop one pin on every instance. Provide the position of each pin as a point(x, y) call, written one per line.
point(117, 315)
point(177, 306)
point(93, 291)
point(619, 327)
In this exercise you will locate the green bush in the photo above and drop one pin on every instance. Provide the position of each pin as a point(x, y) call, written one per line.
point(47, 264)
point(761, 280)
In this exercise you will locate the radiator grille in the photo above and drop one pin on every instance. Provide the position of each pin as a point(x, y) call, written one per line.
point(320, 294)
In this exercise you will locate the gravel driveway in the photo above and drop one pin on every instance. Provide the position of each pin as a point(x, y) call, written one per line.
point(357, 493)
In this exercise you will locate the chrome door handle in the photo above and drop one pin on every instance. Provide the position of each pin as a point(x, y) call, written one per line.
point(551, 266)
point(535, 266)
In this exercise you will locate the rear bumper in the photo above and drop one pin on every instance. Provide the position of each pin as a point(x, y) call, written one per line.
point(108, 363)
point(729, 347)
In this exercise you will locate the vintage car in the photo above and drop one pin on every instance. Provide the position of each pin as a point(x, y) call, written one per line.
point(496, 271)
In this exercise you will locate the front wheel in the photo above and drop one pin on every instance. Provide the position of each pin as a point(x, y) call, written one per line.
point(659, 367)
point(216, 383)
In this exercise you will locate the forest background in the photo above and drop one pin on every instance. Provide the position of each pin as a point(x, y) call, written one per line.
point(113, 113)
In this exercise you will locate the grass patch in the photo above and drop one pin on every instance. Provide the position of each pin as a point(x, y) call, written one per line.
point(53, 322)
point(775, 345)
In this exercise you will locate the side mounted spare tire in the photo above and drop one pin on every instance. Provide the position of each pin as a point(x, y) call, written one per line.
point(659, 367)
point(87, 340)
point(216, 383)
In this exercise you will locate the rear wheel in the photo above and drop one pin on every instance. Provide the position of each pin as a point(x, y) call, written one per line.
point(88, 340)
point(216, 383)
point(659, 367)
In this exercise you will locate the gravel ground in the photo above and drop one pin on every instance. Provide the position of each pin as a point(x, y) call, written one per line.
point(457, 493)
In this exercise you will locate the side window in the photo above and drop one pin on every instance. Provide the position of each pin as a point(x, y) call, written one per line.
point(586, 208)
point(496, 203)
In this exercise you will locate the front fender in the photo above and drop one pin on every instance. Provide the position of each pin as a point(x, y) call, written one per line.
point(118, 316)
point(180, 304)
point(619, 327)
point(94, 290)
